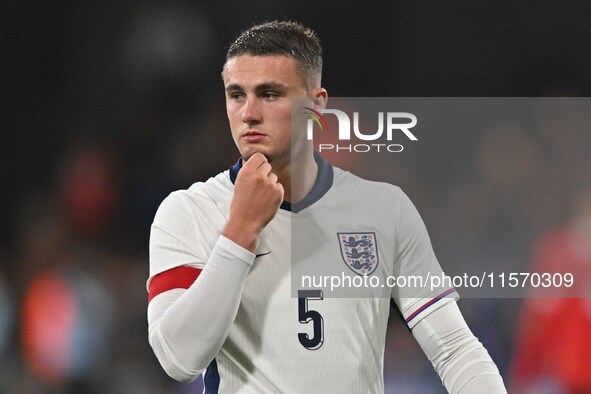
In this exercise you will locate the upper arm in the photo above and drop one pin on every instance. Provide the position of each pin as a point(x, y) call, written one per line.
point(183, 234)
point(415, 258)
point(175, 278)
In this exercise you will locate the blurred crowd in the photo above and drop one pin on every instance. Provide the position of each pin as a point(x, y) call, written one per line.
point(116, 105)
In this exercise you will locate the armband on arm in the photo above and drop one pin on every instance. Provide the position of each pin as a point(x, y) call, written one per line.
point(187, 327)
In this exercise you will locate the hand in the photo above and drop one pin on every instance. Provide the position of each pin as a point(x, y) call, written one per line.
point(257, 197)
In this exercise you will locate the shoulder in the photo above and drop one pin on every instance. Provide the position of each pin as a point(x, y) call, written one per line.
point(200, 199)
point(382, 199)
point(357, 187)
point(188, 223)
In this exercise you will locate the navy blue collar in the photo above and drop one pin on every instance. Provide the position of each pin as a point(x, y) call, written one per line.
point(322, 184)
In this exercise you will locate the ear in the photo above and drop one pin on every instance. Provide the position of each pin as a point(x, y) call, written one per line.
point(320, 97)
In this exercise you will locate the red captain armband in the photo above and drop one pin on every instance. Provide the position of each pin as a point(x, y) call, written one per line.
point(175, 278)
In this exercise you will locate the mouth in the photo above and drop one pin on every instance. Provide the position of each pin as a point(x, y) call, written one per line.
point(254, 136)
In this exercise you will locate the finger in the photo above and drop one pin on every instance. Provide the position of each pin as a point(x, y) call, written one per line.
point(273, 178)
point(262, 163)
point(256, 160)
point(280, 187)
point(265, 168)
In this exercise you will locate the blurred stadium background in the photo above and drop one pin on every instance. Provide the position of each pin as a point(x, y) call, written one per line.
point(109, 106)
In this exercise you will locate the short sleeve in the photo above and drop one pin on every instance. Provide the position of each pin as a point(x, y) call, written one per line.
point(420, 289)
point(184, 232)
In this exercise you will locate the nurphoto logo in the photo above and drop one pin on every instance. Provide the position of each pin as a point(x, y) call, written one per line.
point(393, 123)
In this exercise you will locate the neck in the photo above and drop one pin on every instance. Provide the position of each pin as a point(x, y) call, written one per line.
point(297, 176)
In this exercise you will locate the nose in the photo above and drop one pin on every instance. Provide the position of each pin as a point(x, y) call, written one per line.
point(252, 111)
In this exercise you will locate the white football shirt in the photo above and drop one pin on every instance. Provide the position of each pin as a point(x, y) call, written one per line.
point(324, 341)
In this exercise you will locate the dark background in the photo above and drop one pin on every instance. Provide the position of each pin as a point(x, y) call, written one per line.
point(109, 106)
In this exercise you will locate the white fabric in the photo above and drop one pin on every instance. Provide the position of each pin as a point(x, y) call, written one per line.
point(188, 327)
point(461, 361)
point(260, 350)
point(415, 257)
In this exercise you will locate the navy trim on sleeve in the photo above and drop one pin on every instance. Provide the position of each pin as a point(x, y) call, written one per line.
point(429, 303)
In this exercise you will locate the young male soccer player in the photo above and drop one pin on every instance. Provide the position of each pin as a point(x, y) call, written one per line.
point(219, 286)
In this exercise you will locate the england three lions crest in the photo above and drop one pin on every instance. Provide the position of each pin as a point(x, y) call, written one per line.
point(359, 252)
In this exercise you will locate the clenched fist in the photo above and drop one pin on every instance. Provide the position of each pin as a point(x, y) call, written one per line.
point(257, 197)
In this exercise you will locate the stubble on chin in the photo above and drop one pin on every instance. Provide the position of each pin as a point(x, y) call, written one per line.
point(247, 154)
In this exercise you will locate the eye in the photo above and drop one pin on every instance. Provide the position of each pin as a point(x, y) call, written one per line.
point(237, 95)
point(270, 95)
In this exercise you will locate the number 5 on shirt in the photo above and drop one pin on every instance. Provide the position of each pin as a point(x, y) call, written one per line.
point(306, 316)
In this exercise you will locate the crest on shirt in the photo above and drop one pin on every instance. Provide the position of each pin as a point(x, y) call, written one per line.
point(359, 251)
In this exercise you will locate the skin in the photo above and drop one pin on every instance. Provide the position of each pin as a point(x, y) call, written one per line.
point(259, 93)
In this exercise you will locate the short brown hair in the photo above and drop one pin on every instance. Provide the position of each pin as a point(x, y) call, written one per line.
point(283, 38)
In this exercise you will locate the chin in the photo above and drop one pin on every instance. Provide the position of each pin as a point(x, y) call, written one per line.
point(247, 154)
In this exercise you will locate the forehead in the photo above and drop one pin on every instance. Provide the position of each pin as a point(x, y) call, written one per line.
point(250, 71)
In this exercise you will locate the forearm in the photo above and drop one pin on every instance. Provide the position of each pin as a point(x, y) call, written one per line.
point(188, 327)
point(459, 358)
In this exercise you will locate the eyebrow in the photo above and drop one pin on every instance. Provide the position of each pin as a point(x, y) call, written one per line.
point(261, 87)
